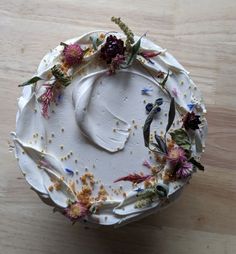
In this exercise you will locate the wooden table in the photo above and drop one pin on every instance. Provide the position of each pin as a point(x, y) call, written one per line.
point(202, 35)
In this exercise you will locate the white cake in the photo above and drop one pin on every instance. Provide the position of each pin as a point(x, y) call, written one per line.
point(80, 139)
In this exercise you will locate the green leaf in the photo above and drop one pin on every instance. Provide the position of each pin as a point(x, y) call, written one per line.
point(147, 125)
point(181, 138)
point(95, 41)
point(30, 81)
point(165, 79)
point(64, 44)
point(171, 116)
point(161, 144)
point(134, 53)
point(198, 144)
point(135, 50)
point(197, 164)
point(157, 148)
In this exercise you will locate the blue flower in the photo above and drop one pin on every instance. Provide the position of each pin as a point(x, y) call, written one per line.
point(69, 171)
point(190, 106)
point(159, 101)
point(139, 190)
point(146, 90)
point(149, 106)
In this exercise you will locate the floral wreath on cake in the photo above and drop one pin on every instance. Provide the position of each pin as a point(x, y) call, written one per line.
point(173, 150)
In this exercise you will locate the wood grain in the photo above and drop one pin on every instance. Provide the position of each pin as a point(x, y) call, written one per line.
point(202, 35)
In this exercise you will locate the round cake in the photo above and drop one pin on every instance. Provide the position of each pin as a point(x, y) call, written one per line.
point(110, 128)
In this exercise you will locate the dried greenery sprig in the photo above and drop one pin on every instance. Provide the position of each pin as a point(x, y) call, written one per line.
point(60, 76)
point(129, 34)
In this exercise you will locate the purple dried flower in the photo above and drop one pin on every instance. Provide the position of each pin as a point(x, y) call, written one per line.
point(185, 170)
point(176, 155)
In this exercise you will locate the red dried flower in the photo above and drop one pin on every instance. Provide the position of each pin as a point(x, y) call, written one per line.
point(134, 178)
point(191, 121)
point(112, 48)
point(73, 54)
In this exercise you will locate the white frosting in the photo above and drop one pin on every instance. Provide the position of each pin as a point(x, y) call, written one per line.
point(96, 114)
point(89, 112)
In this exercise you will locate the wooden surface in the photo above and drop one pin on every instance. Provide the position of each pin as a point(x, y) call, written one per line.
point(202, 35)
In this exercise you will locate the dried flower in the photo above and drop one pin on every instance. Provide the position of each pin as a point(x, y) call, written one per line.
point(150, 106)
point(134, 178)
point(147, 164)
point(146, 90)
point(112, 48)
point(129, 34)
point(115, 63)
point(69, 171)
point(150, 54)
point(76, 211)
point(176, 155)
point(191, 121)
point(174, 92)
point(60, 75)
point(51, 94)
point(73, 54)
point(185, 170)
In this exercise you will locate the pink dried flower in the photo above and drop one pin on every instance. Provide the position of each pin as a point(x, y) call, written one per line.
point(150, 54)
point(175, 93)
point(50, 95)
point(176, 155)
point(76, 211)
point(73, 54)
point(147, 164)
point(185, 170)
point(115, 63)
